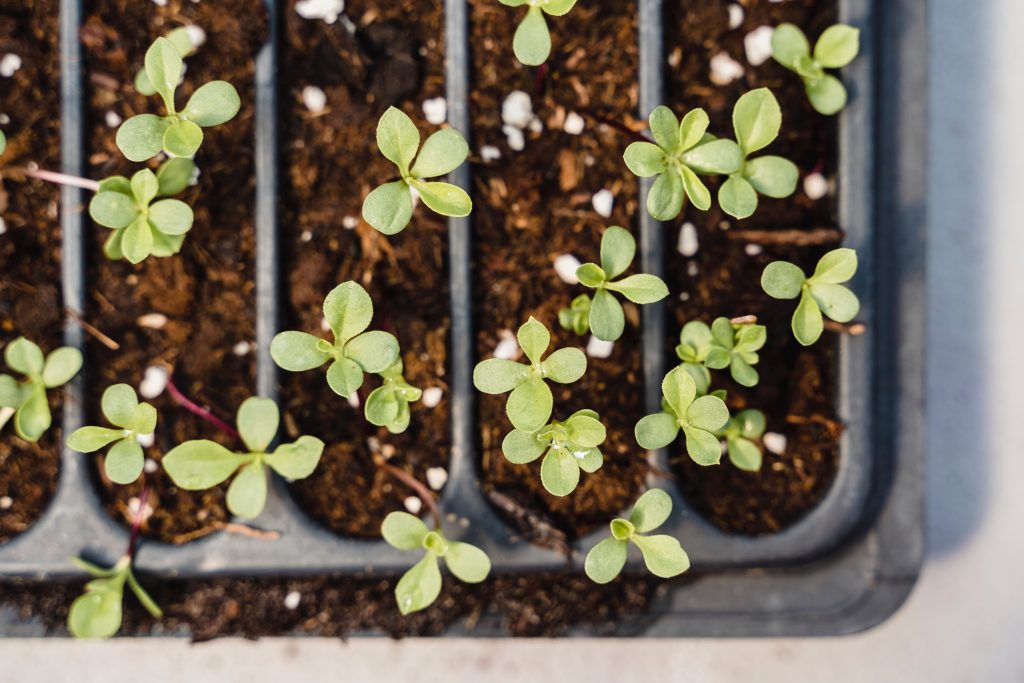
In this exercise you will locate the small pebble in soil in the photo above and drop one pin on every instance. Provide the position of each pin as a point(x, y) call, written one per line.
point(436, 477)
point(153, 382)
point(327, 10)
point(815, 186)
point(160, 3)
point(725, 69)
point(603, 201)
point(574, 124)
point(508, 347)
point(758, 45)
point(9, 64)
point(153, 321)
point(432, 397)
point(6, 502)
point(775, 442)
point(292, 600)
point(596, 348)
point(196, 35)
point(684, 296)
point(566, 266)
point(536, 126)
point(489, 153)
point(753, 249)
point(353, 400)
point(3, 226)
point(4, 119)
point(349, 222)
point(735, 16)
point(242, 348)
point(145, 440)
point(324, 325)
point(413, 504)
point(150, 466)
point(436, 110)
point(314, 98)
point(514, 137)
point(517, 109)
point(137, 509)
point(306, 236)
point(688, 244)
point(194, 180)
point(691, 269)
point(112, 119)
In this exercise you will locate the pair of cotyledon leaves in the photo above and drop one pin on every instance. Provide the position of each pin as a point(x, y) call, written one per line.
point(836, 47)
point(125, 459)
point(532, 41)
point(26, 401)
point(97, 613)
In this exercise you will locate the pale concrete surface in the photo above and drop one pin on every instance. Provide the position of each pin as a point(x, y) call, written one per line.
point(964, 621)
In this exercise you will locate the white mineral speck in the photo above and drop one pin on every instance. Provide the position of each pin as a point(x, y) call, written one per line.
point(815, 186)
point(735, 16)
point(436, 110)
point(5, 415)
point(160, 3)
point(691, 269)
point(9, 64)
point(436, 477)
point(725, 69)
point(517, 109)
point(4, 119)
point(153, 321)
point(688, 244)
point(775, 442)
point(758, 45)
point(490, 153)
point(306, 235)
point(196, 35)
point(242, 348)
point(150, 466)
point(753, 249)
point(413, 504)
point(603, 202)
point(574, 124)
point(314, 98)
point(508, 347)
point(145, 440)
point(3, 226)
point(292, 600)
point(353, 401)
point(153, 382)
point(349, 222)
point(137, 509)
point(514, 137)
point(112, 119)
point(432, 396)
point(6, 502)
point(536, 125)
point(328, 10)
point(565, 266)
point(597, 348)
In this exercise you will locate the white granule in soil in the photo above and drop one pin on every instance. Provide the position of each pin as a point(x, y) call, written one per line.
point(432, 397)
point(437, 477)
point(566, 266)
point(489, 153)
point(314, 98)
point(604, 202)
point(154, 381)
point(688, 244)
point(413, 504)
point(574, 124)
point(292, 600)
point(326, 10)
point(436, 110)
point(758, 45)
point(725, 69)
point(9, 64)
point(597, 348)
point(815, 186)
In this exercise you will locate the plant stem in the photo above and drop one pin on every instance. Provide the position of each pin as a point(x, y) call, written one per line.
point(422, 491)
point(801, 238)
point(199, 411)
point(621, 127)
point(133, 538)
point(58, 178)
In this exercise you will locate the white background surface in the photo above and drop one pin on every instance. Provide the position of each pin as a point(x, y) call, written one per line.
point(964, 621)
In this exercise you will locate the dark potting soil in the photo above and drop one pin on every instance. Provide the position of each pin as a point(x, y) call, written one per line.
point(206, 292)
point(30, 296)
point(798, 385)
point(534, 205)
point(394, 57)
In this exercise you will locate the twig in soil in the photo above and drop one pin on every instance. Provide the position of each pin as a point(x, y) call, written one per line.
point(228, 527)
point(53, 177)
point(854, 329)
point(744, 320)
point(617, 125)
point(417, 486)
point(800, 238)
point(532, 525)
point(95, 332)
point(198, 410)
point(834, 428)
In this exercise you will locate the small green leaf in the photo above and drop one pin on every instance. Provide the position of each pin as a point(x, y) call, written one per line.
point(91, 439)
point(10, 394)
point(744, 454)
point(137, 240)
point(696, 190)
point(344, 377)
point(663, 555)
point(641, 288)
point(532, 41)
point(215, 103)
point(419, 587)
point(521, 447)
point(756, 119)
point(529, 405)
point(835, 301)
point(772, 176)
point(605, 560)
point(247, 495)
point(174, 175)
point(789, 44)
point(144, 421)
point(398, 138)
point(656, 431)
point(382, 406)
point(183, 138)
point(692, 128)
point(715, 157)
point(467, 562)
point(116, 183)
point(348, 310)
point(807, 321)
point(827, 95)
point(782, 280)
point(171, 217)
point(586, 430)
point(836, 267)
point(164, 69)
point(296, 460)
point(837, 46)
point(618, 248)
point(297, 351)
point(124, 461)
point(591, 275)
point(717, 358)
point(24, 356)
point(534, 339)
point(559, 472)
point(737, 197)
point(645, 159)
point(664, 128)
point(708, 413)
point(665, 200)
point(388, 208)
point(558, 8)
point(742, 372)
point(404, 531)
point(722, 333)
point(33, 417)
point(607, 320)
point(141, 137)
point(197, 465)
point(444, 198)
point(3, 143)
point(61, 365)
point(703, 447)
point(591, 460)
point(565, 366)
point(258, 419)
point(97, 612)
point(679, 390)
point(113, 209)
point(442, 153)
point(650, 510)
point(374, 351)
point(498, 376)
point(144, 187)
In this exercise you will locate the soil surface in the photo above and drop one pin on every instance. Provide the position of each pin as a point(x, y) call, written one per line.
point(206, 292)
point(394, 57)
point(797, 386)
point(30, 296)
point(534, 205)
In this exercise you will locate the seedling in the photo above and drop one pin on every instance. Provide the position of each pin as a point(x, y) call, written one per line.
point(179, 133)
point(349, 311)
point(181, 39)
point(756, 120)
point(576, 318)
point(97, 612)
point(698, 416)
point(388, 404)
point(26, 401)
point(740, 433)
point(529, 406)
point(388, 208)
point(662, 554)
point(823, 292)
point(567, 447)
point(606, 318)
point(532, 42)
point(683, 151)
point(141, 226)
point(202, 464)
point(419, 587)
point(124, 461)
point(837, 47)
point(723, 345)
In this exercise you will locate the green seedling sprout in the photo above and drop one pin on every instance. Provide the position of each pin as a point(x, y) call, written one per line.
point(662, 554)
point(202, 464)
point(532, 42)
point(26, 401)
point(682, 151)
point(181, 39)
point(142, 226)
point(837, 47)
point(576, 318)
point(723, 345)
point(388, 404)
point(125, 459)
point(349, 311)
point(741, 433)
point(179, 133)
point(605, 316)
point(568, 447)
point(756, 120)
point(419, 587)
point(699, 417)
point(97, 612)
point(388, 208)
point(530, 404)
point(823, 292)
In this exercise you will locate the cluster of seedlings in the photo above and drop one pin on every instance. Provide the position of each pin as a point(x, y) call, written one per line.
point(146, 221)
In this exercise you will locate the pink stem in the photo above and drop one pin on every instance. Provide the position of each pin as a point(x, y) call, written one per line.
point(133, 538)
point(199, 411)
point(59, 178)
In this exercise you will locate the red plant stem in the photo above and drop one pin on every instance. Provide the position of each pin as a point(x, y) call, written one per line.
point(621, 127)
point(58, 178)
point(199, 411)
point(539, 80)
point(133, 538)
point(422, 491)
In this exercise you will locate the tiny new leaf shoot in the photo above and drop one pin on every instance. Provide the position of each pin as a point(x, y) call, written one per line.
point(26, 401)
point(97, 612)
point(756, 120)
point(606, 318)
point(143, 227)
point(662, 554)
point(723, 345)
point(532, 41)
point(178, 133)
point(568, 447)
point(576, 318)
point(742, 434)
point(125, 459)
point(388, 404)
point(699, 417)
point(202, 464)
point(530, 403)
point(388, 208)
point(837, 47)
point(419, 587)
point(680, 152)
point(822, 293)
point(349, 311)
point(182, 40)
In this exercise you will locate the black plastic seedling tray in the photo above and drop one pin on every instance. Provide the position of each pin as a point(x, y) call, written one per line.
point(844, 567)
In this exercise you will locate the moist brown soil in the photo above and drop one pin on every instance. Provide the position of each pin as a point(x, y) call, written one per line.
point(534, 205)
point(394, 58)
point(30, 297)
point(797, 386)
point(206, 292)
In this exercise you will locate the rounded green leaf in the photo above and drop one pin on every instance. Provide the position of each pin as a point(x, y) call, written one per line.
point(144, 187)
point(404, 531)
point(605, 560)
point(586, 431)
point(374, 351)
point(656, 431)
point(258, 420)
point(33, 418)
point(717, 358)
point(744, 454)
point(532, 41)
point(827, 95)
point(521, 447)
point(60, 366)
point(467, 562)
point(213, 104)
point(529, 405)
point(123, 463)
point(24, 356)
point(142, 84)
point(247, 495)
point(737, 197)
point(665, 128)
point(144, 421)
point(696, 190)
point(419, 587)
point(742, 372)
point(3, 142)
point(171, 217)
point(97, 613)
point(591, 460)
point(201, 464)
point(703, 447)
point(498, 375)
point(607, 319)
point(141, 137)
point(166, 245)
point(116, 183)
point(113, 209)
point(388, 208)
point(297, 351)
point(164, 69)
point(700, 375)
point(382, 406)
point(641, 288)
point(112, 247)
point(836, 267)
point(296, 460)
point(650, 510)
point(645, 159)
point(665, 200)
point(183, 138)
point(692, 128)
point(182, 39)
point(344, 377)
point(442, 153)
point(559, 472)
point(663, 555)
point(445, 198)
point(174, 175)
point(679, 390)
point(591, 275)
point(558, 8)
point(565, 366)
point(772, 176)
point(751, 423)
point(756, 118)
point(782, 280)
point(10, 394)
point(398, 138)
point(618, 248)
point(708, 413)
point(534, 339)
point(714, 157)
point(348, 310)
point(807, 322)
point(91, 439)
point(837, 46)
point(137, 240)
point(789, 44)
point(835, 301)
